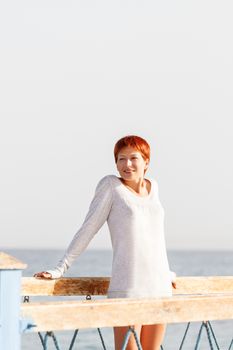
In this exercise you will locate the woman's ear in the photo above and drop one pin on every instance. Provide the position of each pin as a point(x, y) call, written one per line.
point(147, 163)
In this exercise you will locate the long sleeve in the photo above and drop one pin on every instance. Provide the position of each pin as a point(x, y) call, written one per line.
point(97, 215)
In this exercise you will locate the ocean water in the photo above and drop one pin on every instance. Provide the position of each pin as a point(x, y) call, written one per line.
point(98, 263)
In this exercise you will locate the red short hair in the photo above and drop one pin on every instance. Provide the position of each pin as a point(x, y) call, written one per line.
point(136, 142)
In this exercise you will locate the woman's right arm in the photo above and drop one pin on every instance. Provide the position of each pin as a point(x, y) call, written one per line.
point(97, 215)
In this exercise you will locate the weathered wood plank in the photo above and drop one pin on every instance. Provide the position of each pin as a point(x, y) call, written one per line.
point(65, 286)
point(204, 284)
point(8, 262)
point(69, 315)
point(99, 285)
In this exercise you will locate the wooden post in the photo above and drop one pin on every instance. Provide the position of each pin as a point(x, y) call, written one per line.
point(10, 294)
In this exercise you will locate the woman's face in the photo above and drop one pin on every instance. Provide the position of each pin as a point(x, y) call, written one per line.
point(130, 164)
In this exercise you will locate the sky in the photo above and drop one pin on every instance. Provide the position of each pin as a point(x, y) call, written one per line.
point(76, 76)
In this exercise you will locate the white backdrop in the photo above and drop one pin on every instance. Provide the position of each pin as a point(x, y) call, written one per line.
point(78, 75)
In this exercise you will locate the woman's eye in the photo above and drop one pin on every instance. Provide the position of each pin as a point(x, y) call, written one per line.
point(131, 158)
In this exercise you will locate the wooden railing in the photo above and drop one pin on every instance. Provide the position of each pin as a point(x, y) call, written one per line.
point(99, 285)
point(195, 299)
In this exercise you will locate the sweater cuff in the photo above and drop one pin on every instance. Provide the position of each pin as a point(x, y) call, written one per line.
point(55, 274)
point(172, 276)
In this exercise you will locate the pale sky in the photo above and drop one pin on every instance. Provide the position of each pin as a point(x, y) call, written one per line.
point(78, 75)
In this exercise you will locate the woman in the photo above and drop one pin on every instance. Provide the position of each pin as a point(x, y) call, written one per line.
point(130, 204)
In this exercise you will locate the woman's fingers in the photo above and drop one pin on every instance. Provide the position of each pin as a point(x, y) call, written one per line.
point(43, 274)
point(174, 285)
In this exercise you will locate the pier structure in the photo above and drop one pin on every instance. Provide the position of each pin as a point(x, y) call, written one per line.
point(195, 299)
point(10, 296)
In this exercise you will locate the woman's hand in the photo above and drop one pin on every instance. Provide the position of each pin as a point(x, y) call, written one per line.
point(43, 274)
point(174, 285)
point(173, 278)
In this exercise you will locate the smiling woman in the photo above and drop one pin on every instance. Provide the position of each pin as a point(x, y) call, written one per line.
point(132, 156)
point(130, 204)
point(131, 166)
point(134, 142)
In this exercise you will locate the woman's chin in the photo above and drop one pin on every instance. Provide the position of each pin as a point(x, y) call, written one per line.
point(128, 176)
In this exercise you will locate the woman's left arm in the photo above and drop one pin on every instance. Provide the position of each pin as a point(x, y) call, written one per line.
point(97, 214)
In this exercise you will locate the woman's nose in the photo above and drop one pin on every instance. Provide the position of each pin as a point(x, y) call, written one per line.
point(128, 162)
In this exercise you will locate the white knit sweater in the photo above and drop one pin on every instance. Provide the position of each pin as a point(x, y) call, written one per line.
point(140, 266)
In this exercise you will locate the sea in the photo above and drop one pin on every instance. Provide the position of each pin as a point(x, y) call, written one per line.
point(98, 263)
